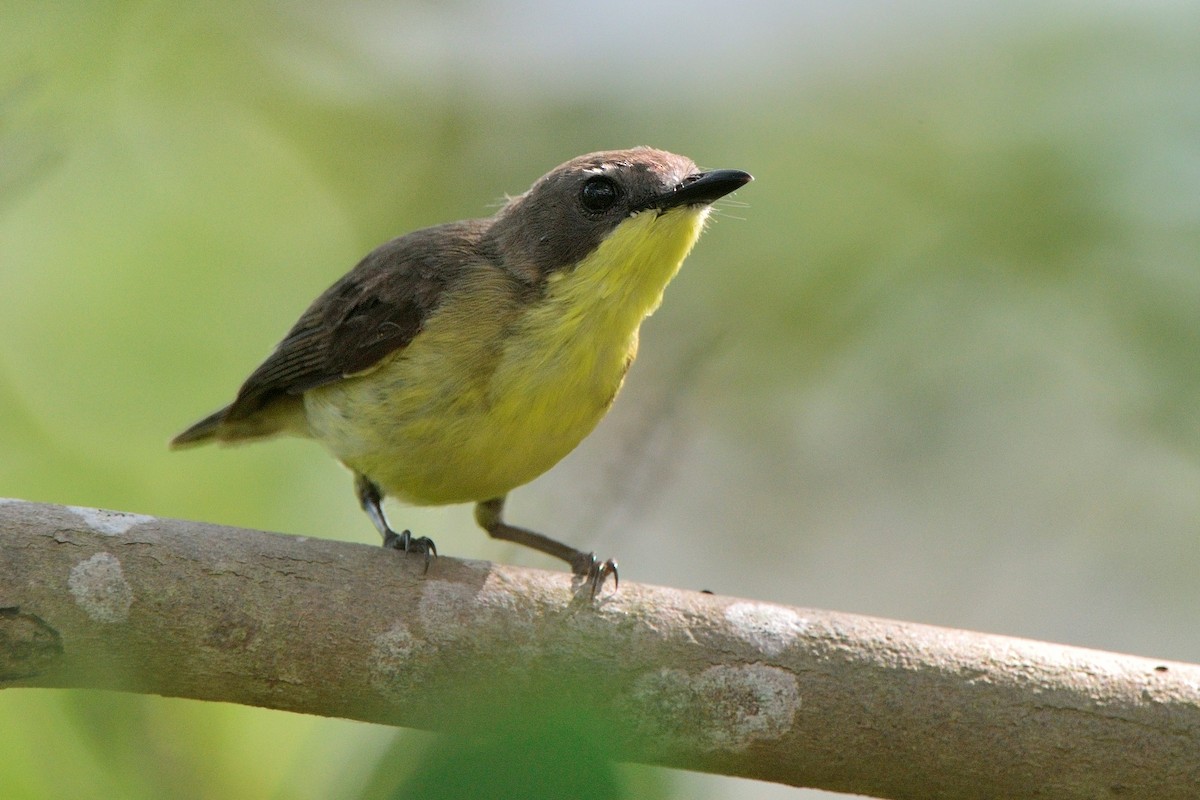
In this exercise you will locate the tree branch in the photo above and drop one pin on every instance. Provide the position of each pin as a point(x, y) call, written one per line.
point(110, 600)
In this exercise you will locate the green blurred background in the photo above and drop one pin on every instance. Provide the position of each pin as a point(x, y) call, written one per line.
point(940, 362)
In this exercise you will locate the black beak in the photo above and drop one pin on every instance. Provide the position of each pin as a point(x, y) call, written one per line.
point(702, 189)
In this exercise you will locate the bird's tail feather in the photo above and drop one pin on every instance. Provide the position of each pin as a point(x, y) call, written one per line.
point(203, 431)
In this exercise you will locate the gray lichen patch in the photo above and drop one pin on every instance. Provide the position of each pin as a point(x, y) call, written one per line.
point(725, 707)
point(100, 588)
point(109, 523)
point(769, 628)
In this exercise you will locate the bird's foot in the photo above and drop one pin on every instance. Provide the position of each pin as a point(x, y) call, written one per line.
point(411, 544)
point(595, 572)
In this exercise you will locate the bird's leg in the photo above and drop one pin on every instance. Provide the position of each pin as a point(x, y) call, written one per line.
point(489, 514)
point(371, 499)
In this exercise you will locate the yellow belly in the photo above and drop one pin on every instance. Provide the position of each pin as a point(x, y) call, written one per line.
point(449, 443)
point(491, 393)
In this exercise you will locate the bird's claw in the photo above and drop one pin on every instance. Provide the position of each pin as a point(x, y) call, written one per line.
point(595, 572)
point(411, 544)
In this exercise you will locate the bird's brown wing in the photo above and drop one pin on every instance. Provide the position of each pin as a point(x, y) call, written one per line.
point(375, 309)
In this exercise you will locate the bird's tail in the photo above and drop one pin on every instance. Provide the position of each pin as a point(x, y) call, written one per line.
point(205, 430)
point(233, 423)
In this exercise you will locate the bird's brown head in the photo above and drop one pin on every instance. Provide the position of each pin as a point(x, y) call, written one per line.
point(568, 212)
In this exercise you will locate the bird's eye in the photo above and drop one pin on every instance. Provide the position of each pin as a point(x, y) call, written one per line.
point(599, 193)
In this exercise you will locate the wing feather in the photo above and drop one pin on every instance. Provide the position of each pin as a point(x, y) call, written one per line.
point(374, 310)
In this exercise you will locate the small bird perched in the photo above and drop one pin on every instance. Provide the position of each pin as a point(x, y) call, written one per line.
point(458, 362)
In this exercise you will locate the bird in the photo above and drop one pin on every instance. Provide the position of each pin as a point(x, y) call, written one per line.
point(458, 362)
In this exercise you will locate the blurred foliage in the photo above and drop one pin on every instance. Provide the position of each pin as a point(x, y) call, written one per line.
point(939, 361)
